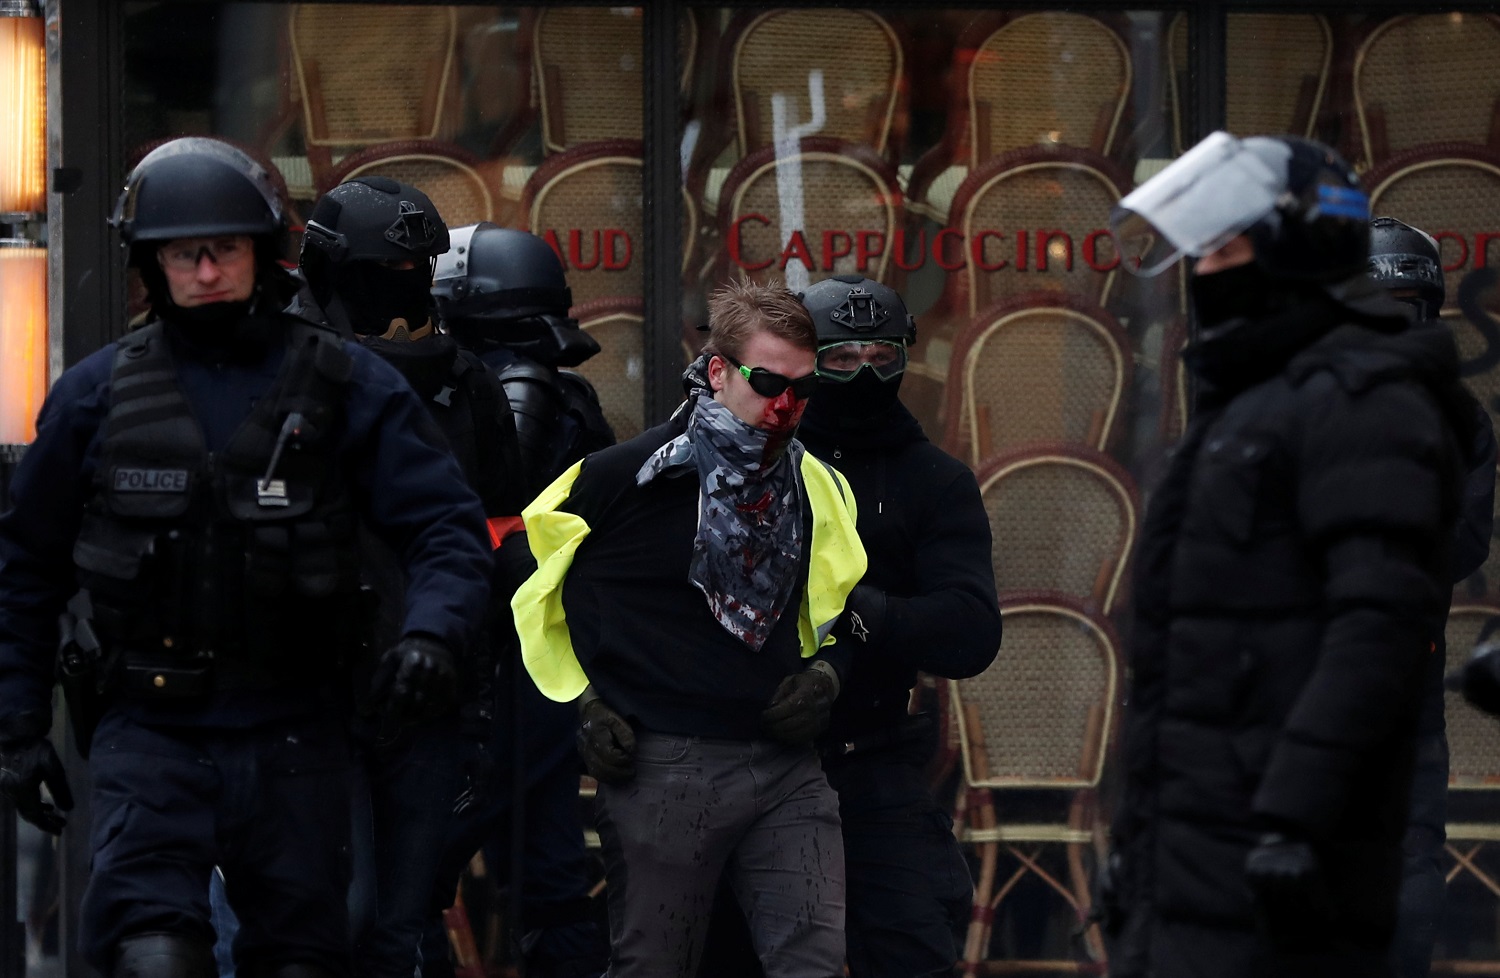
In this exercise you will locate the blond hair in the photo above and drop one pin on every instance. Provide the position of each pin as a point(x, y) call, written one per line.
point(741, 309)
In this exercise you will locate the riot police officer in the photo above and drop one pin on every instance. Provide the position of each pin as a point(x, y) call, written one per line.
point(1291, 578)
point(192, 498)
point(1406, 262)
point(503, 293)
point(927, 603)
point(367, 255)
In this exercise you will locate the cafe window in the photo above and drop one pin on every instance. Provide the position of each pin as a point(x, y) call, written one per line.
point(968, 157)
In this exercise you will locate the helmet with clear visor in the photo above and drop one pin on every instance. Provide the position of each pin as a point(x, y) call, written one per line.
point(860, 323)
point(1297, 200)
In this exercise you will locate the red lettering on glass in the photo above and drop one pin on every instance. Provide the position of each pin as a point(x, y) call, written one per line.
point(1021, 251)
point(899, 251)
point(976, 251)
point(938, 251)
point(1091, 252)
point(612, 260)
point(829, 254)
point(1044, 250)
point(575, 250)
point(1482, 247)
point(550, 236)
point(735, 254)
point(797, 248)
point(864, 251)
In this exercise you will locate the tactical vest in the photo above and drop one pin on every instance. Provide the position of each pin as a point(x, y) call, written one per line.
point(235, 569)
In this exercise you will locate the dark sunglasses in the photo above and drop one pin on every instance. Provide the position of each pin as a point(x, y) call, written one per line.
point(768, 384)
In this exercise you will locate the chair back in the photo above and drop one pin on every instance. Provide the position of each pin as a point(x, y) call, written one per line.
point(1173, 380)
point(1428, 78)
point(1042, 714)
point(824, 207)
point(374, 73)
point(587, 72)
point(457, 181)
point(1035, 371)
point(1449, 190)
point(1049, 77)
point(776, 55)
point(1064, 518)
point(1473, 737)
point(1033, 220)
point(1265, 52)
point(587, 202)
point(617, 371)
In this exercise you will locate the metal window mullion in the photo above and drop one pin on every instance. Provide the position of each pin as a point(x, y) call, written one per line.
point(661, 247)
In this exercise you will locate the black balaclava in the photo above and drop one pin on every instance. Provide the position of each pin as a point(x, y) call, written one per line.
point(374, 296)
point(852, 405)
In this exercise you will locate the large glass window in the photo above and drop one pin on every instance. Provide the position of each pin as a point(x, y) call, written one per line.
point(529, 117)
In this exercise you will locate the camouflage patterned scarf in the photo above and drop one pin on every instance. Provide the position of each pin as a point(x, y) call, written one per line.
point(749, 542)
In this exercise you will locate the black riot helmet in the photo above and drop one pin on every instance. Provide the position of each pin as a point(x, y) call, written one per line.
point(1297, 200)
point(196, 187)
point(368, 254)
point(862, 326)
point(1407, 263)
point(500, 287)
point(863, 334)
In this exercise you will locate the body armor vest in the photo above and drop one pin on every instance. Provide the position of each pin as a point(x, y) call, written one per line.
point(235, 569)
point(557, 418)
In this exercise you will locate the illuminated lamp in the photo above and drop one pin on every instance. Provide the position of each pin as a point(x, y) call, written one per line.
point(23, 338)
point(23, 110)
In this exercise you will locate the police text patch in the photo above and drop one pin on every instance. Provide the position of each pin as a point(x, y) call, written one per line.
point(151, 480)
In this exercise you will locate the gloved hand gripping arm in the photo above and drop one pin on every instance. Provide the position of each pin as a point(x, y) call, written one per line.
point(801, 706)
point(415, 679)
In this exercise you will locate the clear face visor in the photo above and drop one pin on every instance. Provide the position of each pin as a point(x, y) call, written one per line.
point(1200, 202)
point(842, 362)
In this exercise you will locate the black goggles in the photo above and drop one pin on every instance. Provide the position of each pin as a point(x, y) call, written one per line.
point(768, 384)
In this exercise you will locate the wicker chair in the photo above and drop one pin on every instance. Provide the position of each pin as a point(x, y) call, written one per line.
point(1428, 79)
point(456, 180)
point(617, 371)
point(1008, 215)
point(841, 189)
point(1036, 370)
point(1473, 766)
point(1174, 383)
point(1278, 72)
point(587, 202)
point(774, 52)
point(1039, 719)
point(1451, 190)
point(1066, 517)
point(372, 74)
point(1046, 78)
point(587, 72)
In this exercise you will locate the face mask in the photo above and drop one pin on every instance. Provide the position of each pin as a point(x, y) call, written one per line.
point(374, 296)
point(1244, 291)
point(858, 401)
point(219, 327)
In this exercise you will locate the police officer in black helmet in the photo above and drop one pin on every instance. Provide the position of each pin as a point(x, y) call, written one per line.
point(1406, 262)
point(189, 508)
point(503, 294)
point(1291, 580)
point(927, 603)
point(368, 255)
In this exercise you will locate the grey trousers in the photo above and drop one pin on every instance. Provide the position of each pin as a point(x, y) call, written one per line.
point(757, 813)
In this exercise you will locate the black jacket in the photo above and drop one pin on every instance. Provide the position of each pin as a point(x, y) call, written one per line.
point(1292, 578)
point(927, 537)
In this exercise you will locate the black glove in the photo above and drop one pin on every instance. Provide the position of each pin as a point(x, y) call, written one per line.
point(1286, 882)
point(605, 741)
point(800, 707)
point(863, 617)
point(28, 761)
point(415, 679)
point(1108, 910)
point(1479, 678)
